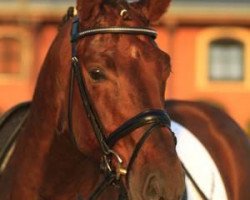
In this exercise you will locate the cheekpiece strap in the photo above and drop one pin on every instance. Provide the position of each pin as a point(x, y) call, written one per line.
point(92, 115)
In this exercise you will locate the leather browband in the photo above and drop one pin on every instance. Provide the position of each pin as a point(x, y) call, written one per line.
point(115, 30)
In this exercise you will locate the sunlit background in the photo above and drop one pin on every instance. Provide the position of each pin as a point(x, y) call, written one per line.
point(208, 41)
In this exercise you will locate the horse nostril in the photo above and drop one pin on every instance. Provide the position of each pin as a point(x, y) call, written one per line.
point(153, 189)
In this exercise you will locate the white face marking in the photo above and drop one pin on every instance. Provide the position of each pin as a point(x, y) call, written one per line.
point(134, 52)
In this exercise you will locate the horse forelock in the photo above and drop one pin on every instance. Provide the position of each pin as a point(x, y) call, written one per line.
point(109, 13)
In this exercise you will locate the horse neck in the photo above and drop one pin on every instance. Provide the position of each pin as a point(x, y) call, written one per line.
point(58, 172)
point(67, 170)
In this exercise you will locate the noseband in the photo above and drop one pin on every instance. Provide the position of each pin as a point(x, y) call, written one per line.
point(152, 117)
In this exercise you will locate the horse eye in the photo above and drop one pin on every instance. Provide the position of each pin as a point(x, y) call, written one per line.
point(97, 74)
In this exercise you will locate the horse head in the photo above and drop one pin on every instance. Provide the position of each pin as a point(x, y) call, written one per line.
point(114, 110)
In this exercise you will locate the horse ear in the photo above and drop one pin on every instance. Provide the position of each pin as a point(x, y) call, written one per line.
point(88, 9)
point(153, 9)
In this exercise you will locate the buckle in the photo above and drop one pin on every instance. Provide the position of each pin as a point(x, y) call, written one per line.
point(106, 164)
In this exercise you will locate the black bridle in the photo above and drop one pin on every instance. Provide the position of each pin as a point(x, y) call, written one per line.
point(152, 117)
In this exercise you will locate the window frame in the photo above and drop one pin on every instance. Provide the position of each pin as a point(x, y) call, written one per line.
point(203, 41)
point(22, 35)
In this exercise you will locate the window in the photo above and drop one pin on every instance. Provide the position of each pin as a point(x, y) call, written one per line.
point(226, 60)
point(10, 55)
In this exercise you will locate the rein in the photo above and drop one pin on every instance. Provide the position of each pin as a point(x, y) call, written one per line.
point(152, 117)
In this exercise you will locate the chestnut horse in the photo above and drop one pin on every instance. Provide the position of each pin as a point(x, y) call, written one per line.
point(225, 141)
point(99, 103)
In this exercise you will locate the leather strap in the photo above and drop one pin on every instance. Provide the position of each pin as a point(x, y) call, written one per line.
point(115, 30)
point(152, 116)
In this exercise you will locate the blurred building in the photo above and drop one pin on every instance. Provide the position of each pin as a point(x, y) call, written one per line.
point(208, 41)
